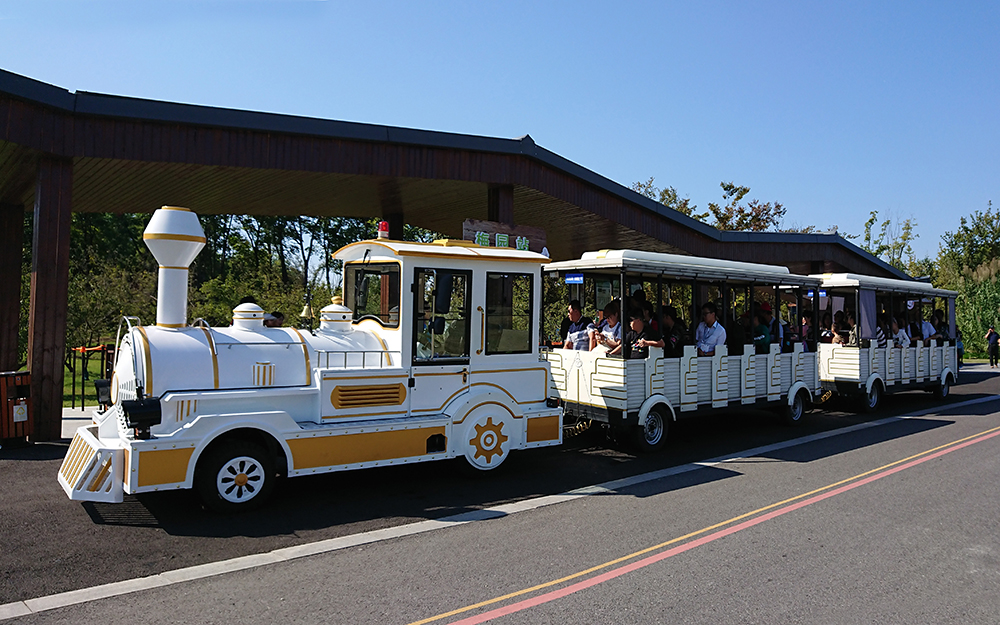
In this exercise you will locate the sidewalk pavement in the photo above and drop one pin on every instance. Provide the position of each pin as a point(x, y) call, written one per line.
point(73, 418)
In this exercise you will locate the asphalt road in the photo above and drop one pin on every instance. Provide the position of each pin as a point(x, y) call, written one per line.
point(915, 546)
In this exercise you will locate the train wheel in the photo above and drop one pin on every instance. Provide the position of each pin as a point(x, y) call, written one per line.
point(873, 398)
point(652, 436)
point(795, 412)
point(235, 476)
point(942, 390)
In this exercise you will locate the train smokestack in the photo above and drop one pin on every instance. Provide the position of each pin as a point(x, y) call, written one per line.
point(175, 237)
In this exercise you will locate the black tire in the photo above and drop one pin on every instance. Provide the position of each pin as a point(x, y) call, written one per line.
point(236, 476)
point(942, 390)
point(794, 413)
point(871, 401)
point(652, 436)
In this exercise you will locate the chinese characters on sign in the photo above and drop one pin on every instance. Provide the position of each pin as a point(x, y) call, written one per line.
point(502, 240)
point(495, 234)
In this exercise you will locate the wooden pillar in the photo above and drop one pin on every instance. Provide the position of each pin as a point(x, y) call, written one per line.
point(12, 227)
point(392, 208)
point(501, 204)
point(49, 284)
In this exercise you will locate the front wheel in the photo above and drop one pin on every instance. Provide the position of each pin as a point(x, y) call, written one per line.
point(652, 435)
point(235, 477)
point(873, 398)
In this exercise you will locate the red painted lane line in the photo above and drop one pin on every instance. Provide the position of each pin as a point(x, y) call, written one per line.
point(612, 574)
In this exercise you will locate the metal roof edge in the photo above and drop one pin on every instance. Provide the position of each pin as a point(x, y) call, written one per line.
point(24, 88)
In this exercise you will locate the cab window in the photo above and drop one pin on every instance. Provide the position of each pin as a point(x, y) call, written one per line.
point(371, 290)
point(508, 313)
point(441, 318)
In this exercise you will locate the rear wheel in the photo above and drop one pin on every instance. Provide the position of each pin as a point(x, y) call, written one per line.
point(942, 390)
point(873, 398)
point(235, 476)
point(795, 411)
point(652, 435)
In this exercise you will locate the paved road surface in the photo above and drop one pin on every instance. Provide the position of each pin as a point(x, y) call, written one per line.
point(914, 544)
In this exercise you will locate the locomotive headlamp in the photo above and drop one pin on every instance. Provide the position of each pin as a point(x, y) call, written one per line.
point(103, 388)
point(142, 414)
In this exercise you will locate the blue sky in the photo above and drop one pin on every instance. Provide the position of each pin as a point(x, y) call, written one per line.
point(833, 109)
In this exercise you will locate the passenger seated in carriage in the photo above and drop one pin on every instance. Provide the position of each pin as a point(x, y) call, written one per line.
point(639, 336)
point(710, 332)
point(673, 334)
point(574, 327)
point(609, 331)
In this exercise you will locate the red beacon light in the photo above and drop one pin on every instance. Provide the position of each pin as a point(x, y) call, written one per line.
point(383, 229)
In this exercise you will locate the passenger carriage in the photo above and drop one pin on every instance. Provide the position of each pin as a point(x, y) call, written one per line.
point(642, 396)
point(869, 371)
point(434, 355)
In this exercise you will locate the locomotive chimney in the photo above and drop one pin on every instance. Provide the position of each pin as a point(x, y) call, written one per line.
point(175, 237)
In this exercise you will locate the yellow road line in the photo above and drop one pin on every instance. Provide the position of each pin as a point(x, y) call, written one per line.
point(704, 530)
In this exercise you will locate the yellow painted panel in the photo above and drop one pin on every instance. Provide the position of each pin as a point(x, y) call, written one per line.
point(328, 451)
point(163, 466)
point(543, 429)
point(128, 467)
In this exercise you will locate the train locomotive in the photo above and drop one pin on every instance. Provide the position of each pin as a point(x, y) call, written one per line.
point(432, 355)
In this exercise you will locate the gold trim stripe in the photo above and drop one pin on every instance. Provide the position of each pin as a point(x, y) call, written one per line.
point(215, 356)
point(148, 390)
point(305, 352)
point(177, 268)
point(175, 208)
point(173, 237)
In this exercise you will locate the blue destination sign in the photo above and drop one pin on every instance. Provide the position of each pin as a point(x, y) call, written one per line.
point(574, 278)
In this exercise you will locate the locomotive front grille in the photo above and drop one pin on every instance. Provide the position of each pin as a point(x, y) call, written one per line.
point(91, 472)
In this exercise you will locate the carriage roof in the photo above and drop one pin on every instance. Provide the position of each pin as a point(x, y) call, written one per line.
point(912, 287)
point(680, 266)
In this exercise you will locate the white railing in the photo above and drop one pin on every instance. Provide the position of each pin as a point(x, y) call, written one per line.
point(357, 359)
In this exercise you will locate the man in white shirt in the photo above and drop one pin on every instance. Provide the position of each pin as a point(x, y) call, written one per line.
point(929, 332)
point(710, 332)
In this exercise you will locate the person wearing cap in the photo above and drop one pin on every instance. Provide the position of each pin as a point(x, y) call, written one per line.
point(274, 320)
point(639, 336)
point(993, 343)
point(710, 332)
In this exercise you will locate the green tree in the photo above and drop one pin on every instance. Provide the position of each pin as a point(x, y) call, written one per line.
point(753, 215)
point(892, 240)
point(975, 242)
point(978, 304)
point(669, 197)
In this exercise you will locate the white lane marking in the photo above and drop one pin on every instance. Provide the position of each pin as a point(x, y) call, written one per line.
point(285, 554)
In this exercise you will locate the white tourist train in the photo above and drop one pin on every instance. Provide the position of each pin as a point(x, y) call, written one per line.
point(877, 364)
point(641, 396)
point(433, 355)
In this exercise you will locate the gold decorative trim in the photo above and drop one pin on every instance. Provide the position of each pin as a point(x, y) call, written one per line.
point(148, 390)
point(171, 325)
point(305, 352)
point(177, 268)
point(175, 208)
point(173, 237)
point(215, 356)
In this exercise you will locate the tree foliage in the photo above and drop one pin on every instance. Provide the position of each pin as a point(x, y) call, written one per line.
point(669, 197)
point(753, 215)
point(978, 304)
point(976, 241)
point(892, 240)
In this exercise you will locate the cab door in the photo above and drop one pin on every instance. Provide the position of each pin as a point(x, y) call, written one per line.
point(441, 338)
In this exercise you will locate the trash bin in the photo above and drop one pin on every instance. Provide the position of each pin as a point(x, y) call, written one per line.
point(15, 406)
